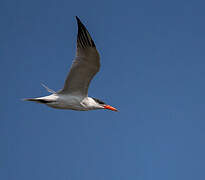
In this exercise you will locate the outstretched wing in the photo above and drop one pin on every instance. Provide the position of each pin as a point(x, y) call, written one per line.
point(85, 65)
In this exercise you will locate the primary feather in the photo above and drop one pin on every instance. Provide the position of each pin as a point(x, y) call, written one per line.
point(85, 65)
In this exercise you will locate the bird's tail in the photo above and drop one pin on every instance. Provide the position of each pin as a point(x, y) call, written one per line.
point(42, 101)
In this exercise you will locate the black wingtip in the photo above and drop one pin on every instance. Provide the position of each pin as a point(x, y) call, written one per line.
point(80, 24)
point(84, 38)
point(77, 18)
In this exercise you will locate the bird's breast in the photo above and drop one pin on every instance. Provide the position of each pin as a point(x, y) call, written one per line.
point(69, 102)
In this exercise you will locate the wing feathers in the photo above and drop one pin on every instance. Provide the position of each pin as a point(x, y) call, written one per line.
point(85, 65)
point(84, 39)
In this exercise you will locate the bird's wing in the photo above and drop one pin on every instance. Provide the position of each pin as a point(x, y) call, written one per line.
point(85, 65)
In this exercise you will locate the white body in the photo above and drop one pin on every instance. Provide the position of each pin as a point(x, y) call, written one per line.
point(70, 102)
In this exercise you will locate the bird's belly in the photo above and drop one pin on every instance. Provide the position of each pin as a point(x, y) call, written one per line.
point(65, 102)
point(67, 106)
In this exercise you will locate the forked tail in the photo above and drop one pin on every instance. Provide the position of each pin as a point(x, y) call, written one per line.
point(42, 101)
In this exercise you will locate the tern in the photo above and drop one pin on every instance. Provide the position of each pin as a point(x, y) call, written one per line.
point(74, 94)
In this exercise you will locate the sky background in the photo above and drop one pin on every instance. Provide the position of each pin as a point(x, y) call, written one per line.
point(153, 71)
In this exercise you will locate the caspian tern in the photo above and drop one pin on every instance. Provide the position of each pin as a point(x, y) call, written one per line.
point(74, 94)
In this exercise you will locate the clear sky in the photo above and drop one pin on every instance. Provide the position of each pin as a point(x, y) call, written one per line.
point(153, 71)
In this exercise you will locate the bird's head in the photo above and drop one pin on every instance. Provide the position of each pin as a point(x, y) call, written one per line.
point(103, 105)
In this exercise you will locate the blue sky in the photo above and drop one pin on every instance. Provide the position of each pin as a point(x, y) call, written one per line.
point(153, 71)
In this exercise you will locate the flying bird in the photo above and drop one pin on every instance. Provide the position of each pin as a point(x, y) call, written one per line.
point(74, 94)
